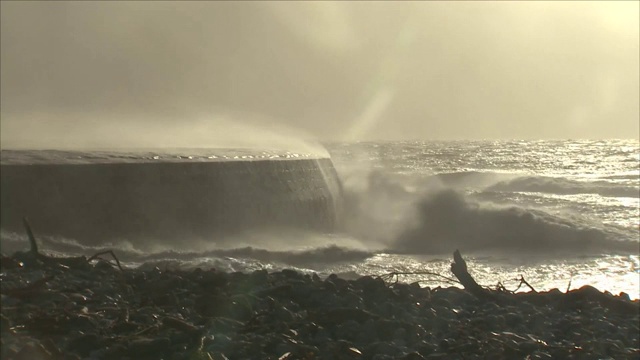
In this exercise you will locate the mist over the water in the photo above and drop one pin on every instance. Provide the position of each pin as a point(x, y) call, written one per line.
point(407, 205)
point(132, 89)
point(208, 131)
point(338, 70)
point(427, 216)
point(448, 220)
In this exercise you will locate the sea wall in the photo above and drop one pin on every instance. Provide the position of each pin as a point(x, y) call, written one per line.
point(169, 201)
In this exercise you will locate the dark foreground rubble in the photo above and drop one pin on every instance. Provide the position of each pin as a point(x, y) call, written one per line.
point(93, 310)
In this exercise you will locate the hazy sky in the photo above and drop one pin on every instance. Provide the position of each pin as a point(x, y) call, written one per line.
point(336, 70)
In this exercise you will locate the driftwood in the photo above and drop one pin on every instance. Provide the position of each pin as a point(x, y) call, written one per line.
point(459, 269)
point(523, 281)
point(389, 277)
point(570, 299)
point(32, 239)
point(97, 256)
point(34, 254)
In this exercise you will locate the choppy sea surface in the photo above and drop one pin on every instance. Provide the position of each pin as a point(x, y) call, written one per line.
point(560, 213)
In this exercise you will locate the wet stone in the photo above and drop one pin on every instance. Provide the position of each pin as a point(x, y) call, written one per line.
point(513, 319)
point(145, 346)
point(382, 348)
point(33, 350)
point(413, 356)
point(85, 344)
point(204, 314)
point(5, 324)
point(291, 274)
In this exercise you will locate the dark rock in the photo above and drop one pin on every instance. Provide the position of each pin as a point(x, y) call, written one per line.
point(513, 319)
point(7, 263)
point(381, 348)
point(322, 336)
point(148, 347)
point(445, 344)
point(403, 290)
point(624, 296)
point(291, 274)
point(283, 314)
point(528, 347)
point(85, 344)
point(340, 315)
point(218, 356)
point(540, 355)
point(413, 356)
point(204, 314)
point(388, 329)
point(223, 326)
point(124, 327)
point(425, 348)
point(54, 348)
point(441, 355)
point(302, 351)
point(167, 299)
point(5, 323)
point(276, 291)
point(259, 278)
point(180, 325)
point(369, 284)
point(341, 284)
point(441, 302)
point(212, 279)
point(440, 325)
point(104, 266)
point(367, 333)
point(347, 330)
point(212, 305)
point(496, 322)
point(300, 290)
point(239, 309)
point(33, 350)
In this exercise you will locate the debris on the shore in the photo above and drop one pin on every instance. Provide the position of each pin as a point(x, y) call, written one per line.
point(78, 309)
point(75, 308)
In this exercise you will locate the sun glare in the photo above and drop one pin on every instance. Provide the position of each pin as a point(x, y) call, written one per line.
point(622, 16)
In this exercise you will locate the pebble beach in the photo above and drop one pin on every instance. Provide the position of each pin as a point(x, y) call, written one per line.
point(76, 309)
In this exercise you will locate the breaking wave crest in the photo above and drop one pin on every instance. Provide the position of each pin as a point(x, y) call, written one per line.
point(406, 214)
point(447, 220)
point(562, 186)
point(126, 252)
point(440, 213)
point(613, 186)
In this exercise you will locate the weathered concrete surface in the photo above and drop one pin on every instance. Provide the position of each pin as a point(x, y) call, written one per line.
point(168, 201)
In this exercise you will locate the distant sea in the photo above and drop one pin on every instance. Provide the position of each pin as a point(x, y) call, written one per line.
point(560, 213)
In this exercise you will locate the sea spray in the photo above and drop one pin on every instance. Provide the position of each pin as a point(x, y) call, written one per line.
point(435, 214)
point(449, 220)
point(387, 186)
point(93, 131)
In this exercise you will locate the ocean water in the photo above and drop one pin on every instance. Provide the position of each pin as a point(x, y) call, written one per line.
point(560, 213)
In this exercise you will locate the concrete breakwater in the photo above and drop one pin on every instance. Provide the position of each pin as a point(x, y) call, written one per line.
point(169, 201)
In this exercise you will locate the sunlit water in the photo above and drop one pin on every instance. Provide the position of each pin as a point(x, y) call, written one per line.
point(146, 156)
point(591, 183)
point(559, 213)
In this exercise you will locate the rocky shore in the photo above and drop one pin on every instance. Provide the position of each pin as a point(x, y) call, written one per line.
point(81, 309)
